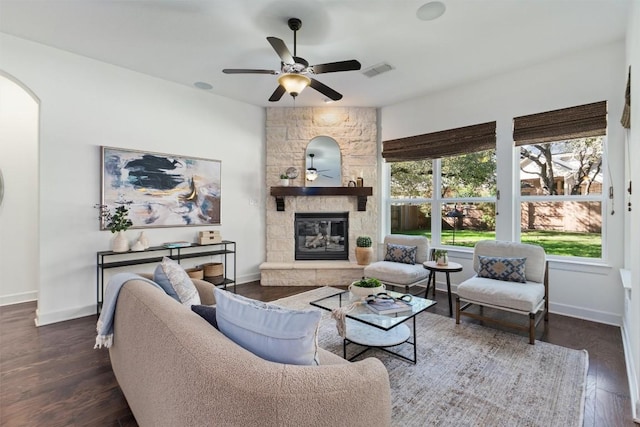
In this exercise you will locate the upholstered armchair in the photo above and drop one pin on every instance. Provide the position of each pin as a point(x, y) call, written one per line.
point(400, 263)
point(511, 277)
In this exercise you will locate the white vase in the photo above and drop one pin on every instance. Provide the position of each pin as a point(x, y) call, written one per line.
point(120, 242)
point(360, 292)
point(284, 182)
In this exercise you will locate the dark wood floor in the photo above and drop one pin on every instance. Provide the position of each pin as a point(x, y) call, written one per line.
point(52, 376)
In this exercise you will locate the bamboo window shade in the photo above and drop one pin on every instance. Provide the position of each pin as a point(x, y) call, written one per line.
point(452, 142)
point(568, 123)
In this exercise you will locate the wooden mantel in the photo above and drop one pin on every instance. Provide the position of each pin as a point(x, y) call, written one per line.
point(360, 192)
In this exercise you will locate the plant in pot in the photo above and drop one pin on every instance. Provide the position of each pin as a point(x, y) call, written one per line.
point(441, 256)
point(366, 286)
point(284, 180)
point(364, 251)
point(117, 222)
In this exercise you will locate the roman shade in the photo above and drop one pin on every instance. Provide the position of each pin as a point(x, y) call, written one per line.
point(452, 142)
point(568, 123)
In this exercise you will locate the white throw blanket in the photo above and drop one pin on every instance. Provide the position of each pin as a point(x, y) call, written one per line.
point(105, 321)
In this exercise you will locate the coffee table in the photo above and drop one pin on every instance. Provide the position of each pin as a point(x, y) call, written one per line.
point(371, 330)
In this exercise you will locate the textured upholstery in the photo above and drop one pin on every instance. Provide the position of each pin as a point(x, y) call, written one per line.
point(519, 296)
point(396, 273)
point(530, 298)
point(177, 370)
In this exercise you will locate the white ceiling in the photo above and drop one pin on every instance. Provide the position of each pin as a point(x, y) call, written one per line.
point(187, 41)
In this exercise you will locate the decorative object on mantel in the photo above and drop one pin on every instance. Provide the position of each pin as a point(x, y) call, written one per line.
point(292, 172)
point(441, 256)
point(117, 222)
point(364, 287)
point(364, 251)
point(284, 180)
point(359, 182)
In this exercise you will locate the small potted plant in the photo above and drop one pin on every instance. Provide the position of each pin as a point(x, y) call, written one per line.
point(366, 286)
point(117, 222)
point(441, 256)
point(284, 180)
point(364, 251)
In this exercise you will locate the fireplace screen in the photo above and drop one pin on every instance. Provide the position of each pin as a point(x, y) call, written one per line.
point(322, 236)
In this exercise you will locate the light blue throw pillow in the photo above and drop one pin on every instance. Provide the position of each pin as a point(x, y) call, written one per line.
point(401, 253)
point(161, 279)
point(508, 269)
point(271, 332)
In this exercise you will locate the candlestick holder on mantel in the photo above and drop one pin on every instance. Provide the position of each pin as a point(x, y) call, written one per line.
point(360, 192)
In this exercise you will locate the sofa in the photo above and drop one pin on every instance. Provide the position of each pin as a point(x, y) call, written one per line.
point(175, 369)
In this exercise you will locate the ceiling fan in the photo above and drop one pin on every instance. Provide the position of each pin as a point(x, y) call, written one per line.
point(312, 173)
point(295, 72)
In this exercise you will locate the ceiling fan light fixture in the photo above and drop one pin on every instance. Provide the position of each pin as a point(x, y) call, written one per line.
point(294, 83)
point(311, 174)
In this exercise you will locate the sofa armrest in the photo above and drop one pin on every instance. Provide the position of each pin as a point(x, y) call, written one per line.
point(205, 289)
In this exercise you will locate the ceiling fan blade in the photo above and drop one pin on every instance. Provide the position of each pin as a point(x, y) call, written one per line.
point(325, 90)
point(247, 71)
point(277, 94)
point(281, 49)
point(333, 67)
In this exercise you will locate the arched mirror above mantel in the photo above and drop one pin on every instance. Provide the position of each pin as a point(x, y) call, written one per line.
point(323, 163)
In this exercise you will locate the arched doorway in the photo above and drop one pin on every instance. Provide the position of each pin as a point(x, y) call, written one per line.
point(19, 209)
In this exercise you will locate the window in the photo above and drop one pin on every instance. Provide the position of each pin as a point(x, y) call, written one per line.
point(443, 185)
point(562, 202)
point(561, 196)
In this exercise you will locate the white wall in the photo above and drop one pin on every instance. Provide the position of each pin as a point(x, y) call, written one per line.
point(631, 328)
point(86, 104)
point(586, 291)
point(19, 211)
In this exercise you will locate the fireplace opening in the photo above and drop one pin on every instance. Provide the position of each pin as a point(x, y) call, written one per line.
point(322, 236)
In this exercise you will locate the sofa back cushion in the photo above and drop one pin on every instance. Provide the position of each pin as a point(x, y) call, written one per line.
point(269, 331)
point(420, 242)
point(535, 264)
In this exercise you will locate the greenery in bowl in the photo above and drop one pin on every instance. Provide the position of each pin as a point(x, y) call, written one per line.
point(439, 253)
point(284, 176)
point(368, 283)
point(363, 242)
point(118, 220)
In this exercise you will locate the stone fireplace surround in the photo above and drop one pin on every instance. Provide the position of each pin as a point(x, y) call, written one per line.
point(288, 131)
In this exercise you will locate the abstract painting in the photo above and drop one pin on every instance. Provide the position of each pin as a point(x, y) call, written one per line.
point(161, 190)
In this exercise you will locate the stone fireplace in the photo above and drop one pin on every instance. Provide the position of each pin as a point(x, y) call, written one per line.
point(288, 131)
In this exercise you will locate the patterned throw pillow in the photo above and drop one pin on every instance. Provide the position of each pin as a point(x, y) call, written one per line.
point(508, 269)
point(180, 281)
point(269, 331)
point(401, 253)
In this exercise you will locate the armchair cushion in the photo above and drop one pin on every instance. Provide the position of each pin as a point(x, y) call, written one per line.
point(401, 253)
point(396, 273)
point(499, 268)
point(522, 296)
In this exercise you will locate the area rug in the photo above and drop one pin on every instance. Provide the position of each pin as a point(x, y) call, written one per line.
point(470, 375)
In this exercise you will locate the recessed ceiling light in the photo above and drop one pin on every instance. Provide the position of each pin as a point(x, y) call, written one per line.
point(430, 11)
point(203, 85)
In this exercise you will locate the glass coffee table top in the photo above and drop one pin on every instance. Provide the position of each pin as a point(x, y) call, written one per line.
point(363, 314)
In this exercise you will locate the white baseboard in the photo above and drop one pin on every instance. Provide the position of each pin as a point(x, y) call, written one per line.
point(631, 374)
point(18, 298)
point(62, 315)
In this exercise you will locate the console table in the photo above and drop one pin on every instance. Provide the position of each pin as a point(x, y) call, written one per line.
point(154, 254)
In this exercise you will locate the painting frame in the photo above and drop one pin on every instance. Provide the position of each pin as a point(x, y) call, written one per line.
point(161, 190)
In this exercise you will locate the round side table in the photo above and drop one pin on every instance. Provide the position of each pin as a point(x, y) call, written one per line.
point(433, 267)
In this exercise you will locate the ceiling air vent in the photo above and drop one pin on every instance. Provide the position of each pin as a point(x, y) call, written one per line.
point(377, 69)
